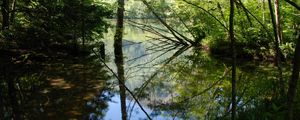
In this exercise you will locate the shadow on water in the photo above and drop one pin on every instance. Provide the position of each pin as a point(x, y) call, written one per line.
point(61, 89)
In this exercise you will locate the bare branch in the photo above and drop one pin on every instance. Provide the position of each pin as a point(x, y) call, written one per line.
point(293, 4)
point(207, 13)
point(127, 89)
point(174, 32)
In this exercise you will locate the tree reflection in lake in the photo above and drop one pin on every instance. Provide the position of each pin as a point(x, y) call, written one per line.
point(178, 83)
point(197, 86)
point(61, 89)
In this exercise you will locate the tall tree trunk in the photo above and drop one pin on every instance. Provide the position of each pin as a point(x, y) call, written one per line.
point(233, 77)
point(119, 56)
point(278, 23)
point(293, 82)
point(5, 14)
point(279, 39)
point(277, 49)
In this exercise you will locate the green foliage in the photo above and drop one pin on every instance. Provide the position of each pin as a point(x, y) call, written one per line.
point(208, 21)
point(200, 84)
point(41, 31)
point(39, 24)
point(30, 82)
point(288, 49)
point(202, 88)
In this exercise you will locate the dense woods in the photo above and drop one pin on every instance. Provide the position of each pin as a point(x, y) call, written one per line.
point(174, 59)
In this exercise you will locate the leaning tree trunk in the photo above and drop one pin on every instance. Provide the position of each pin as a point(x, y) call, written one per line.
point(233, 77)
point(119, 56)
point(279, 40)
point(277, 49)
point(5, 14)
point(293, 82)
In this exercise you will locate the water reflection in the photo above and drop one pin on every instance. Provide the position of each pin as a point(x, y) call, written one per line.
point(197, 86)
point(98, 105)
point(188, 83)
point(142, 64)
point(135, 112)
point(180, 83)
point(53, 90)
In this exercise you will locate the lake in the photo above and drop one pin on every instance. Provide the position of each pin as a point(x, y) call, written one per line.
point(172, 82)
point(185, 83)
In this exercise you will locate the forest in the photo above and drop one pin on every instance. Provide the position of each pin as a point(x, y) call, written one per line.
point(149, 59)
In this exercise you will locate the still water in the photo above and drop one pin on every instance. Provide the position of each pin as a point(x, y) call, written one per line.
point(141, 64)
point(187, 83)
point(171, 83)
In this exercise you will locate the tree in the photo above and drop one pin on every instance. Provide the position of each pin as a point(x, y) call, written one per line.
point(278, 23)
point(277, 49)
point(291, 95)
point(292, 89)
point(119, 56)
point(233, 74)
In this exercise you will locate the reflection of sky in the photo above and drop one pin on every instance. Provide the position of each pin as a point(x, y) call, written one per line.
point(135, 76)
point(136, 71)
point(146, 63)
point(114, 112)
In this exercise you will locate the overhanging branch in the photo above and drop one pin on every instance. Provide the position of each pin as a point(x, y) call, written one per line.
point(293, 4)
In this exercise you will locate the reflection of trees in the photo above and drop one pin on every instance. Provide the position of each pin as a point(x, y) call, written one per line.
point(13, 88)
point(196, 82)
point(119, 56)
point(198, 87)
point(97, 107)
point(50, 90)
point(143, 90)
